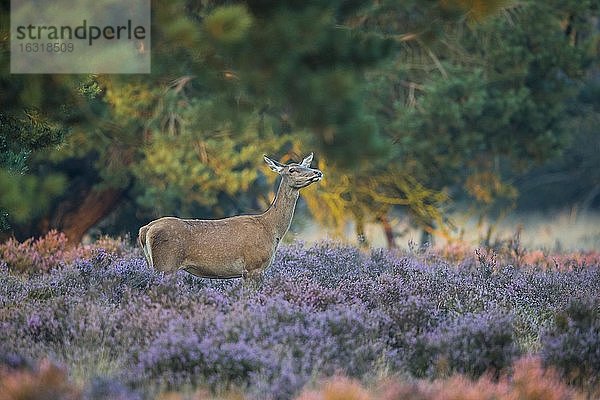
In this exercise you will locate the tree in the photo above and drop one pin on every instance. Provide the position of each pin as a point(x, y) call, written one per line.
point(574, 177)
point(213, 81)
point(25, 131)
point(490, 99)
point(19, 138)
point(232, 80)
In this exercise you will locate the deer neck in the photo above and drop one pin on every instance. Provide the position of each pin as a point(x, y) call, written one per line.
point(280, 213)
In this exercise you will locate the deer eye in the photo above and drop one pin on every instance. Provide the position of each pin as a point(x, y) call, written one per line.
point(293, 170)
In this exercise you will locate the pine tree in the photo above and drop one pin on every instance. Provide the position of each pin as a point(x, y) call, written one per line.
point(404, 100)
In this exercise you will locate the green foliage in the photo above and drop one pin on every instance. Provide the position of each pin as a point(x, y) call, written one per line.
point(228, 24)
point(20, 136)
point(407, 101)
point(573, 177)
point(298, 64)
point(193, 168)
point(509, 104)
point(487, 101)
point(23, 195)
point(371, 193)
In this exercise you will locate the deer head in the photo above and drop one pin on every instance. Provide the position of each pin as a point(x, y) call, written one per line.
point(296, 175)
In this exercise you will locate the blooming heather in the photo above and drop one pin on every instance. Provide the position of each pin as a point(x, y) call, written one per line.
point(323, 310)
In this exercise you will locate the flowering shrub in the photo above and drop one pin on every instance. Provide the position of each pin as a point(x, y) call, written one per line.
point(125, 330)
point(471, 344)
point(572, 345)
point(46, 381)
point(337, 388)
point(52, 251)
point(100, 388)
point(269, 340)
point(512, 252)
point(564, 261)
point(36, 254)
point(529, 381)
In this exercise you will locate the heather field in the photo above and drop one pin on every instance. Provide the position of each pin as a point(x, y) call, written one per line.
point(329, 322)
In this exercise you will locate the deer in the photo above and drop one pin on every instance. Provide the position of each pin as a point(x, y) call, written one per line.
point(241, 246)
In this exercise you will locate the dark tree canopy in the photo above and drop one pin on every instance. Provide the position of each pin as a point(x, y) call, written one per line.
point(405, 104)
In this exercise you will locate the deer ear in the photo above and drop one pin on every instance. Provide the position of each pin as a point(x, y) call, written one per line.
point(306, 162)
point(274, 165)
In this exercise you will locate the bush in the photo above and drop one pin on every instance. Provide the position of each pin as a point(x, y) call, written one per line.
point(323, 310)
point(46, 381)
point(572, 345)
point(269, 340)
point(472, 345)
point(35, 255)
point(53, 251)
point(337, 388)
point(529, 381)
point(102, 388)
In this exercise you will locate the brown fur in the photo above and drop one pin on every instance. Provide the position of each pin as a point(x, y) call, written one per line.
point(232, 247)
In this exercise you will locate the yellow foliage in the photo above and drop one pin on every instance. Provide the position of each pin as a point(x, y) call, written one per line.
point(487, 186)
point(328, 201)
point(129, 100)
point(477, 10)
point(196, 164)
point(341, 195)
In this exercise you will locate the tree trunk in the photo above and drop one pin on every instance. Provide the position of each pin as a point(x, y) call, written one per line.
point(426, 235)
point(76, 219)
point(360, 232)
point(389, 232)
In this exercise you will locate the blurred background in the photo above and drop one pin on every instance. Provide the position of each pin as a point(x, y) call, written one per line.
point(434, 121)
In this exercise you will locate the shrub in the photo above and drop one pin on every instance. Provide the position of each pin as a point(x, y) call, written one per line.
point(337, 388)
point(529, 381)
point(572, 345)
point(102, 388)
point(270, 340)
point(34, 255)
point(324, 310)
point(563, 262)
point(46, 381)
point(471, 344)
point(52, 251)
